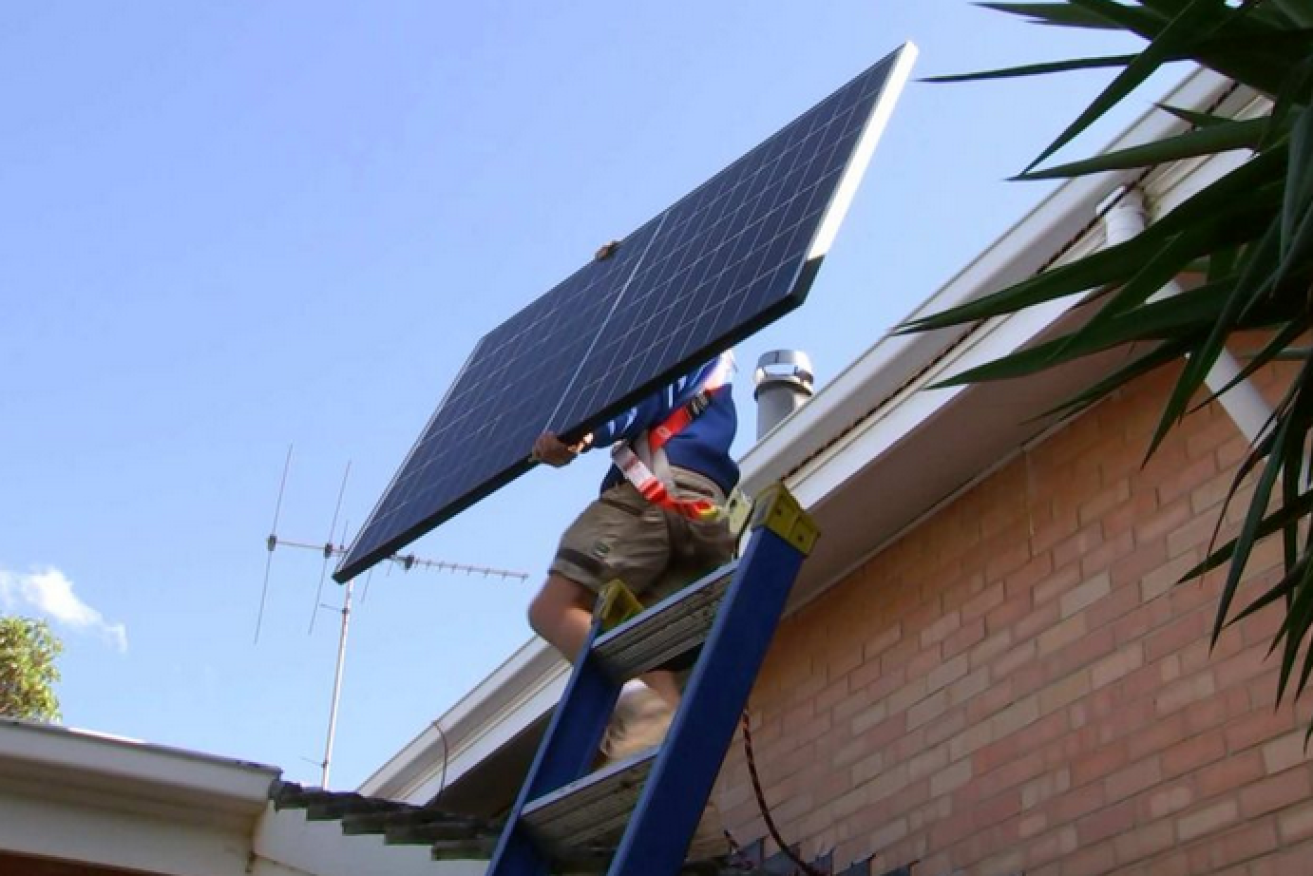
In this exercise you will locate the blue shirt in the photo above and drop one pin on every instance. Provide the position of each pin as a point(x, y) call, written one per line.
point(703, 446)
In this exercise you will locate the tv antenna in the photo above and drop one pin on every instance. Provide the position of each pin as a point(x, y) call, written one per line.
point(329, 549)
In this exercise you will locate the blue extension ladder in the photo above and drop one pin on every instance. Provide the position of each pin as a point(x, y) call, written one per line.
point(567, 818)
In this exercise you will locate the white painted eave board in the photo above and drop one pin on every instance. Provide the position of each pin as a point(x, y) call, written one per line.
point(517, 692)
point(62, 758)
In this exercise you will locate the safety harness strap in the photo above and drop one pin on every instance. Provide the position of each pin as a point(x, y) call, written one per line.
point(645, 466)
point(653, 490)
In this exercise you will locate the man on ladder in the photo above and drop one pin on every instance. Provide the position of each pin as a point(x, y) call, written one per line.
point(657, 525)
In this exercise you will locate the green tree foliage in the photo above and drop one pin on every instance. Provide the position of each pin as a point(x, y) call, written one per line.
point(27, 669)
point(1250, 232)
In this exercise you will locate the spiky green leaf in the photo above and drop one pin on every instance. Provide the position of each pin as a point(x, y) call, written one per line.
point(1061, 14)
point(1212, 140)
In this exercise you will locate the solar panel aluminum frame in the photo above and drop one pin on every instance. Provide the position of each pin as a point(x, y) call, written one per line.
point(377, 539)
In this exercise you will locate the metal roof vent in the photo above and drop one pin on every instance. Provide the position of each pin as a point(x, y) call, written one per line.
point(783, 382)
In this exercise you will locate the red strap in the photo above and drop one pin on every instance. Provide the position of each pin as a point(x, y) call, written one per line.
point(674, 424)
point(651, 488)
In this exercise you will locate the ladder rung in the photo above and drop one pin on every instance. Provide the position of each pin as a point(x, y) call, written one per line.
point(592, 811)
point(672, 627)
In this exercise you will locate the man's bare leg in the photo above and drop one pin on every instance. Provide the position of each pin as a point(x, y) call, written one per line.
point(562, 613)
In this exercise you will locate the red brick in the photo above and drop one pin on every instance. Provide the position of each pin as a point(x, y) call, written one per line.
point(924, 662)
point(1125, 718)
point(1274, 793)
point(1263, 725)
point(1205, 441)
point(1181, 632)
point(1155, 737)
point(940, 629)
point(1156, 526)
point(1296, 823)
point(981, 603)
point(1130, 569)
point(946, 727)
point(1116, 605)
point(1026, 577)
point(1192, 753)
point(1098, 764)
point(1083, 543)
point(994, 779)
point(1139, 505)
point(1290, 862)
point(971, 633)
point(1103, 556)
point(832, 695)
point(1285, 752)
point(1242, 844)
point(1050, 847)
point(1144, 841)
point(1212, 712)
point(1094, 645)
point(1260, 628)
point(1003, 563)
point(1106, 822)
point(1091, 861)
point(1196, 533)
point(1169, 799)
point(1164, 579)
point(1135, 778)
point(1005, 616)
point(1181, 693)
point(1229, 774)
point(1206, 819)
point(1182, 481)
point(1030, 626)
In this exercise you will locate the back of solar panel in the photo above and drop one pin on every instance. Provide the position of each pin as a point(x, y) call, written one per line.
point(727, 259)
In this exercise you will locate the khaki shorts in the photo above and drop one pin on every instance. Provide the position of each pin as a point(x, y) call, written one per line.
point(654, 551)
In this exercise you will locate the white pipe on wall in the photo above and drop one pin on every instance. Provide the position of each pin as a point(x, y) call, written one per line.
point(1128, 217)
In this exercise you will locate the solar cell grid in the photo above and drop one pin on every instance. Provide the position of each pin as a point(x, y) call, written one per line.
point(731, 256)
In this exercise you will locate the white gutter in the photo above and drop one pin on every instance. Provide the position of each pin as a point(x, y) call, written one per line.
point(523, 688)
point(71, 795)
point(84, 761)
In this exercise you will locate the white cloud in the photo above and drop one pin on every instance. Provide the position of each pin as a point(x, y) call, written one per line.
point(50, 592)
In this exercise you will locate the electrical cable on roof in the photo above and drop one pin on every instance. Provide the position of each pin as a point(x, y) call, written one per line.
point(442, 780)
point(765, 810)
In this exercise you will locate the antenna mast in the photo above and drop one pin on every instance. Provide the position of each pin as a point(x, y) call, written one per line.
point(329, 550)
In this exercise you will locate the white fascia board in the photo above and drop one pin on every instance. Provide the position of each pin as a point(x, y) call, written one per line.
point(915, 405)
point(61, 757)
point(516, 694)
point(286, 842)
point(94, 833)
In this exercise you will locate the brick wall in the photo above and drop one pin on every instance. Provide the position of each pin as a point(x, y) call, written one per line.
point(1017, 686)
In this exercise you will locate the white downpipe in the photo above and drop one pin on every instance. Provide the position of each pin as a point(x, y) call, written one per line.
point(1247, 407)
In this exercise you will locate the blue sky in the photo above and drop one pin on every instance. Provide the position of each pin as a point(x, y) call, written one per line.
point(228, 228)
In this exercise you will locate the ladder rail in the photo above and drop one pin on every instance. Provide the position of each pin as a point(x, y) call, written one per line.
point(566, 753)
point(561, 814)
point(676, 792)
point(672, 627)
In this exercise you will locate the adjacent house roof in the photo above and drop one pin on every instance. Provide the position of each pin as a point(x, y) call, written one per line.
point(87, 797)
point(77, 803)
point(873, 431)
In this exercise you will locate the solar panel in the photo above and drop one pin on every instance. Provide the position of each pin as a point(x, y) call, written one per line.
point(730, 257)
